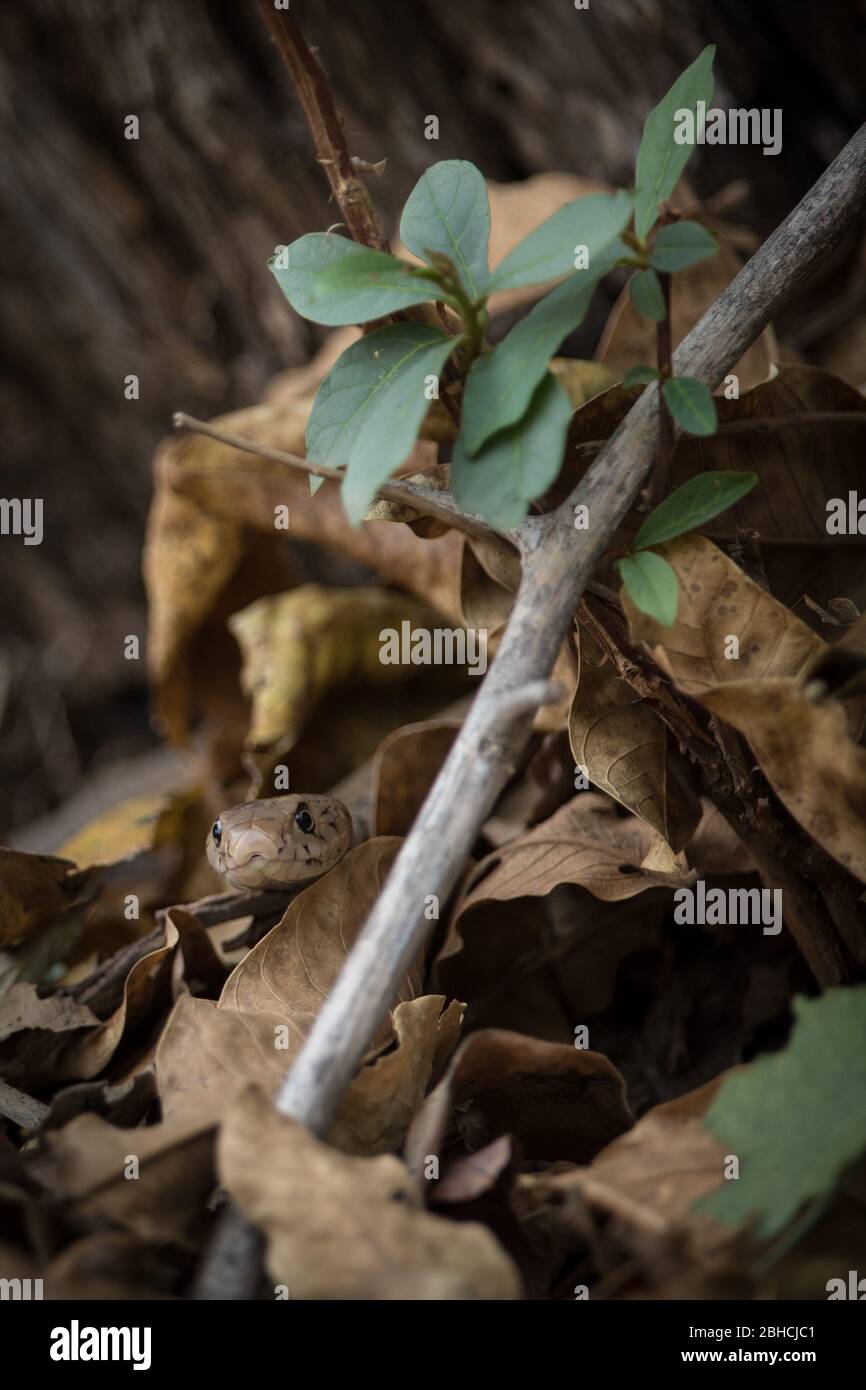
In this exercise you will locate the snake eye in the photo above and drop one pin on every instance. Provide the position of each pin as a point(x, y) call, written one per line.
point(303, 820)
point(216, 831)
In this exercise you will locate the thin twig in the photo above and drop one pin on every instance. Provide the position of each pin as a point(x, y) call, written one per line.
point(427, 501)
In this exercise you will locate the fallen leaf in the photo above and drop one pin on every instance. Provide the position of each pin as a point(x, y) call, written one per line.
point(628, 751)
point(365, 1235)
point(141, 825)
point(719, 601)
point(298, 646)
point(404, 768)
point(291, 970)
point(88, 1167)
point(215, 1052)
point(805, 747)
point(558, 1102)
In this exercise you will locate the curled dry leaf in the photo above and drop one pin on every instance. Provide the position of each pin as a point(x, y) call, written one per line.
point(404, 768)
point(207, 1050)
point(365, 1235)
point(559, 1102)
point(805, 747)
point(298, 646)
point(628, 751)
point(496, 940)
point(47, 1041)
point(292, 969)
point(631, 1181)
point(210, 499)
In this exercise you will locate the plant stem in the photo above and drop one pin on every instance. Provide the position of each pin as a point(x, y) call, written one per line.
point(326, 128)
point(427, 501)
point(654, 491)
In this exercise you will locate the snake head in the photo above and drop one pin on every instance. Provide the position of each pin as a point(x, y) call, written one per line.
point(279, 842)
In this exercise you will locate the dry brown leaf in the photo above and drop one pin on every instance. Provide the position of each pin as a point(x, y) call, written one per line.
point(809, 758)
point(290, 971)
point(717, 600)
point(403, 771)
point(141, 825)
point(648, 1180)
point(37, 1035)
point(244, 490)
point(87, 1165)
point(628, 751)
point(364, 1236)
point(206, 1050)
point(298, 646)
point(386, 1094)
point(558, 1102)
point(496, 944)
point(585, 843)
point(805, 748)
point(204, 561)
point(49, 1041)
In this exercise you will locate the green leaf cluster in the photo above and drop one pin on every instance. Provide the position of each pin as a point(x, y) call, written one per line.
point(514, 417)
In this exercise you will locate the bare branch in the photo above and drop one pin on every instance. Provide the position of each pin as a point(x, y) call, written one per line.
point(326, 128)
point(427, 501)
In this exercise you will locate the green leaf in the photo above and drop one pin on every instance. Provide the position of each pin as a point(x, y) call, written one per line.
point(379, 274)
point(797, 1118)
point(448, 212)
point(314, 258)
point(697, 501)
point(370, 406)
point(661, 159)
point(652, 585)
point(549, 252)
point(639, 376)
point(691, 404)
point(519, 464)
point(682, 244)
point(647, 295)
point(502, 383)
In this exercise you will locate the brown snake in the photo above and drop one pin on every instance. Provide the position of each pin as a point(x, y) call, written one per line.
point(279, 842)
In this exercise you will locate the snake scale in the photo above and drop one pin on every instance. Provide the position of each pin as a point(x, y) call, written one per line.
point(280, 841)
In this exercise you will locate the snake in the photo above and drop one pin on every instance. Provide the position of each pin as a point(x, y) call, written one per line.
point(280, 841)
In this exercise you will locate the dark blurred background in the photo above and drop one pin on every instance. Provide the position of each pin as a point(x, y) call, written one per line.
point(147, 256)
